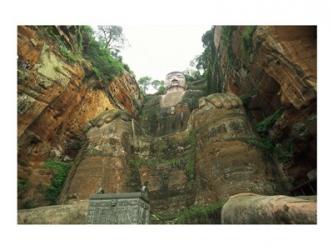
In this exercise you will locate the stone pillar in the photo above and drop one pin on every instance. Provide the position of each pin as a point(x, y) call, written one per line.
point(119, 208)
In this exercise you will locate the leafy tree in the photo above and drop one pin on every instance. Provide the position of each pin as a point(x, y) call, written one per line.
point(105, 66)
point(146, 82)
point(112, 38)
point(208, 61)
point(192, 75)
point(157, 84)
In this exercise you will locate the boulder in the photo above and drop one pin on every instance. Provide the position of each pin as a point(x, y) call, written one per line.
point(250, 208)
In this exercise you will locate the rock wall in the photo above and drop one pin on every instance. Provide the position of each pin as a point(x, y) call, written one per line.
point(273, 70)
point(259, 135)
point(56, 99)
point(122, 154)
point(104, 162)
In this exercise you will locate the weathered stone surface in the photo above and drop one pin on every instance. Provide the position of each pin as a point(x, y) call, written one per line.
point(171, 99)
point(166, 163)
point(105, 159)
point(272, 69)
point(159, 120)
point(264, 56)
point(75, 213)
point(55, 102)
point(175, 82)
point(190, 151)
point(225, 163)
point(288, 54)
point(249, 208)
point(119, 208)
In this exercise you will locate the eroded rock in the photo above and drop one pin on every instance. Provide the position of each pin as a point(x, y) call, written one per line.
point(249, 208)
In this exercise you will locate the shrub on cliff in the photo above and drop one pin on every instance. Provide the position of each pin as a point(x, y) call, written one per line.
point(60, 170)
point(104, 65)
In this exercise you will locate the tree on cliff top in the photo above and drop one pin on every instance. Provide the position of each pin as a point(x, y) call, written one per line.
point(104, 64)
point(112, 38)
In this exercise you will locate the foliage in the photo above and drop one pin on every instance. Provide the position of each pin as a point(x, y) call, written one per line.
point(104, 65)
point(192, 75)
point(208, 61)
point(246, 45)
point(204, 214)
point(161, 90)
point(190, 159)
point(245, 100)
point(265, 144)
point(105, 60)
point(71, 56)
point(60, 170)
point(112, 38)
point(282, 151)
point(226, 38)
point(68, 54)
point(165, 153)
point(263, 126)
point(29, 204)
point(22, 186)
point(146, 83)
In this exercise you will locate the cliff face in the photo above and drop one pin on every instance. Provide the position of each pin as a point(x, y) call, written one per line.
point(273, 70)
point(78, 134)
point(56, 100)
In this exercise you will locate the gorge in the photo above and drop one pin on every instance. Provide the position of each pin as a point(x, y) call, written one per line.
point(240, 139)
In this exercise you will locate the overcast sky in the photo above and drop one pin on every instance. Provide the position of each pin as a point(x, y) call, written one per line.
point(157, 50)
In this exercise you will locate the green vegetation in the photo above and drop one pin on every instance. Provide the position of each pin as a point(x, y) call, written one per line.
point(246, 100)
point(204, 214)
point(226, 38)
point(29, 204)
point(165, 153)
point(263, 126)
point(104, 66)
point(191, 98)
point(247, 46)
point(72, 56)
point(265, 144)
point(192, 75)
point(208, 61)
point(282, 151)
point(190, 161)
point(104, 57)
point(69, 55)
point(146, 83)
point(22, 186)
point(60, 170)
point(112, 38)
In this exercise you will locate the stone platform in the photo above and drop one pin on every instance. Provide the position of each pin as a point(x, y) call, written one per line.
point(119, 208)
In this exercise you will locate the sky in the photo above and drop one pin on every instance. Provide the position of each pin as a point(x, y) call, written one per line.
point(157, 50)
